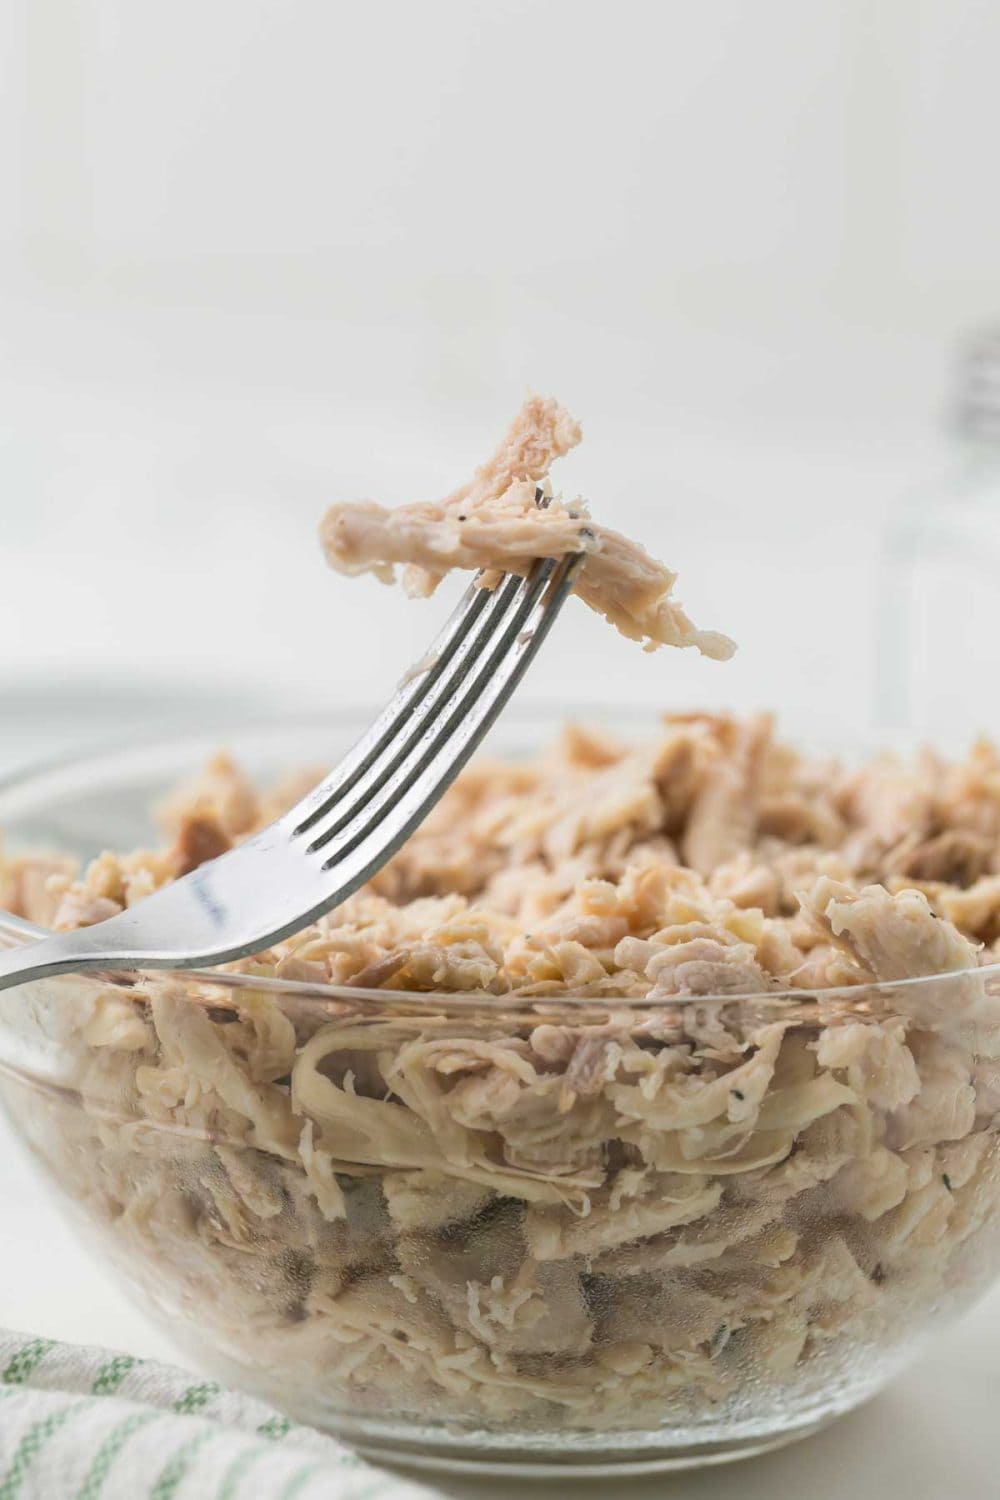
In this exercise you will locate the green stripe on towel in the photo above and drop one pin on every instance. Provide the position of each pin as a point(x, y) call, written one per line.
point(238, 1469)
point(275, 1427)
point(195, 1398)
point(298, 1481)
point(176, 1467)
point(30, 1446)
point(109, 1451)
point(25, 1361)
point(111, 1374)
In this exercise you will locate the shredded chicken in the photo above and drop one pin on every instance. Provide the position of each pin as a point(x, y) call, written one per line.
point(493, 523)
point(709, 1132)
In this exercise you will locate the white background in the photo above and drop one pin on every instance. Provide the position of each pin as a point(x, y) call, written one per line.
point(256, 257)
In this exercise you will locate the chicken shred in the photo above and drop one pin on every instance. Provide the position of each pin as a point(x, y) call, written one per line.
point(494, 523)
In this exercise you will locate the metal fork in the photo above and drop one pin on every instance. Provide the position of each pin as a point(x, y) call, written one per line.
point(325, 847)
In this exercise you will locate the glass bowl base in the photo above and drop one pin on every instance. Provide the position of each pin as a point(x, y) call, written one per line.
point(592, 1455)
point(561, 1453)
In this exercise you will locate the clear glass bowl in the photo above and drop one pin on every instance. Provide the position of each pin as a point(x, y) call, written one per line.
point(500, 1233)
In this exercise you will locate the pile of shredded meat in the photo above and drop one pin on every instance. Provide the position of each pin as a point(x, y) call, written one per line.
point(494, 523)
point(553, 1174)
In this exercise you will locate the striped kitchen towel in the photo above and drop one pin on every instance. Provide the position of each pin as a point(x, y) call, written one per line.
point(86, 1424)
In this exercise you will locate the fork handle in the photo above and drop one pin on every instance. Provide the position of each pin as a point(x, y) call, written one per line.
point(181, 926)
point(78, 950)
point(58, 954)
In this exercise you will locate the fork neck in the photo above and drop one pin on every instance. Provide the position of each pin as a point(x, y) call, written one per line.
point(58, 953)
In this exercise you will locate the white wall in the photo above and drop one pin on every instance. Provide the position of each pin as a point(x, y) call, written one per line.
point(256, 256)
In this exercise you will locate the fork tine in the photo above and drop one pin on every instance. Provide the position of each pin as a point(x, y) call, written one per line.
point(514, 598)
point(401, 708)
point(470, 697)
point(384, 832)
point(490, 624)
point(376, 790)
point(414, 690)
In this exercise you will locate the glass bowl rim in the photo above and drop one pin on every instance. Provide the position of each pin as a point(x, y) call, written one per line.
point(20, 930)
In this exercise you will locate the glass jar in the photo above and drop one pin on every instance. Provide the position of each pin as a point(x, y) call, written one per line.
point(939, 597)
